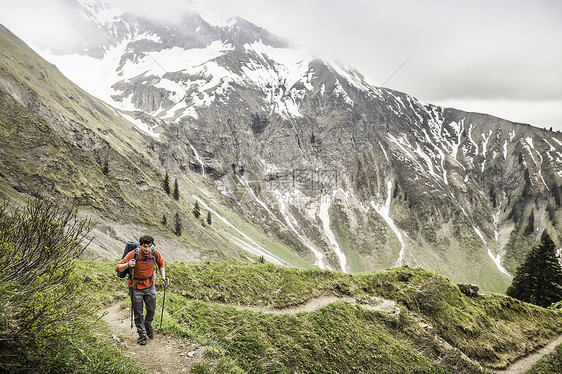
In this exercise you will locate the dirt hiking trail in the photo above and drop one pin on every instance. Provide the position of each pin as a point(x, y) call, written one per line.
point(169, 354)
point(525, 364)
point(163, 354)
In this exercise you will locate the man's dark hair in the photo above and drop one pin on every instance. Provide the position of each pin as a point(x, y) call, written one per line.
point(146, 239)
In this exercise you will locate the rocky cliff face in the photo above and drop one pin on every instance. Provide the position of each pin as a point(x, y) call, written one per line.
point(347, 175)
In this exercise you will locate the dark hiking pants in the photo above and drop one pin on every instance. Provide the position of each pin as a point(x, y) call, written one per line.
point(147, 297)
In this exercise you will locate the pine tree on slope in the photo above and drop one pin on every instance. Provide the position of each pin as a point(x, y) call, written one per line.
point(178, 226)
point(166, 183)
point(539, 279)
point(196, 209)
point(176, 190)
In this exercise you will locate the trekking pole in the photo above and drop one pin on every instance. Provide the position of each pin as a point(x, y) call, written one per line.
point(131, 292)
point(163, 302)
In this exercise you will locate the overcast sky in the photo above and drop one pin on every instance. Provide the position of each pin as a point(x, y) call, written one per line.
point(498, 57)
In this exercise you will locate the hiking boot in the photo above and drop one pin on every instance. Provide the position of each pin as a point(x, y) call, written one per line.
point(150, 332)
point(142, 340)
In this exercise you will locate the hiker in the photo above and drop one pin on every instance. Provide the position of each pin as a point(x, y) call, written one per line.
point(141, 285)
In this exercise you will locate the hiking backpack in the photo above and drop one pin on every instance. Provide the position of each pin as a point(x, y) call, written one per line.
point(132, 246)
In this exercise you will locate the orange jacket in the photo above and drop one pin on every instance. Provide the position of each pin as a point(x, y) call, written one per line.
point(144, 269)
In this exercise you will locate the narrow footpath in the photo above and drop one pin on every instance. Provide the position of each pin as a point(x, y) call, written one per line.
point(525, 364)
point(171, 355)
point(163, 354)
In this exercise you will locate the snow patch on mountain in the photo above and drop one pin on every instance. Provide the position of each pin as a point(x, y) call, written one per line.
point(485, 140)
point(289, 65)
point(339, 91)
point(245, 242)
point(101, 72)
point(552, 150)
point(276, 73)
point(458, 128)
point(174, 59)
point(384, 211)
point(105, 72)
point(383, 151)
point(323, 214)
point(198, 159)
point(142, 126)
point(402, 142)
point(497, 258)
point(528, 144)
point(352, 76)
point(283, 200)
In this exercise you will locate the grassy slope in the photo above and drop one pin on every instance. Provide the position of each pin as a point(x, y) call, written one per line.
point(340, 337)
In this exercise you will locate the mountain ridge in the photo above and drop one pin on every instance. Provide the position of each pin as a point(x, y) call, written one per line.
point(453, 332)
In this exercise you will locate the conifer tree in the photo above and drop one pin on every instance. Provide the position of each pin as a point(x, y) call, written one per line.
point(178, 227)
point(164, 220)
point(167, 183)
point(209, 220)
point(176, 190)
point(105, 168)
point(551, 213)
point(196, 209)
point(539, 279)
point(493, 196)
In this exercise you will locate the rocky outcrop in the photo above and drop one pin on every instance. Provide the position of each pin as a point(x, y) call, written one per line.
point(470, 290)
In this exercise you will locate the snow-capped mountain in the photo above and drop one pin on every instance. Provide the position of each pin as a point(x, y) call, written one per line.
point(350, 176)
point(188, 66)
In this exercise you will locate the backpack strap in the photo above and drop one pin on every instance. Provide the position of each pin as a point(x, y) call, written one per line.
point(136, 257)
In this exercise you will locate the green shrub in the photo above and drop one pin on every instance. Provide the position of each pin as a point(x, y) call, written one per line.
point(40, 294)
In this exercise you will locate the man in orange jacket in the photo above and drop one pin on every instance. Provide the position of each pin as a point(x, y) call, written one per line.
point(142, 284)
